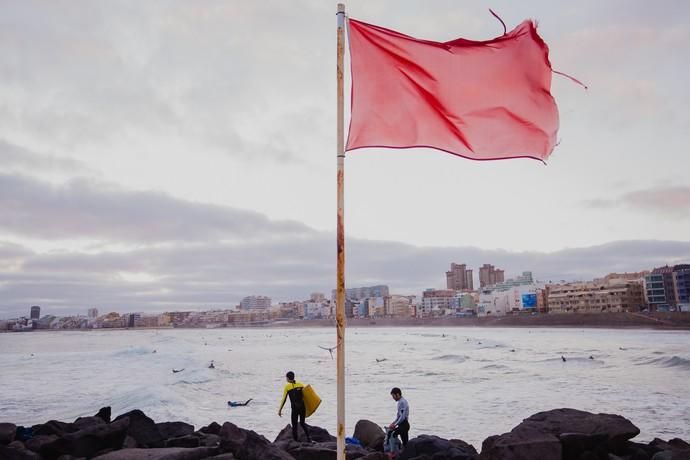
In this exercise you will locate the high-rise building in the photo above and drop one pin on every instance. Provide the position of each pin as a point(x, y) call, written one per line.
point(92, 313)
point(659, 288)
point(488, 275)
point(459, 278)
point(35, 312)
point(437, 302)
point(255, 302)
point(681, 285)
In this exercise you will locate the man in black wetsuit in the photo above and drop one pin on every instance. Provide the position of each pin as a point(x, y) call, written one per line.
point(293, 389)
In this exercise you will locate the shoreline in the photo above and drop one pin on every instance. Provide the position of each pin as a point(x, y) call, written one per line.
point(550, 435)
point(667, 321)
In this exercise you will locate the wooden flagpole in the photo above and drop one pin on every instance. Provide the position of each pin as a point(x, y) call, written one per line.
point(340, 277)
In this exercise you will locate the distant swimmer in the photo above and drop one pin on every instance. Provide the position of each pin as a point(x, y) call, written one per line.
point(153, 351)
point(238, 404)
point(211, 366)
point(381, 360)
point(563, 358)
point(513, 350)
point(621, 348)
point(443, 335)
point(175, 371)
point(591, 357)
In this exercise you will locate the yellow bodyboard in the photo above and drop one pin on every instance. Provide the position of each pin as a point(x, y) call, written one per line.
point(311, 400)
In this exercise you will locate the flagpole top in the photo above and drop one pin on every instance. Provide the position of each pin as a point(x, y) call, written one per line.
point(341, 8)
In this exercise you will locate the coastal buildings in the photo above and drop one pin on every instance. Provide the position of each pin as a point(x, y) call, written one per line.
point(92, 313)
point(660, 290)
point(668, 288)
point(35, 313)
point(437, 302)
point(681, 284)
point(611, 296)
point(255, 302)
point(361, 293)
point(488, 275)
point(459, 278)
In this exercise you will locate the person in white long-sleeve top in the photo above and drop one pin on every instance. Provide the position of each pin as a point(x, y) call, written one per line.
point(401, 425)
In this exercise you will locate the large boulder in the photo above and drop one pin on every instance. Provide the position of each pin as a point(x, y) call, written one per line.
point(53, 427)
point(675, 449)
point(36, 443)
point(16, 451)
point(249, 445)
point(89, 441)
point(85, 422)
point(7, 432)
point(438, 448)
point(521, 445)
point(565, 433)
point(104, 414)
point(317, 434)
point(614, 429)
point(183, 441)
point(211, 428)
point(174, 429)
point(143, 429)
point(171, 453)
point(369, 434)
point(324, 451)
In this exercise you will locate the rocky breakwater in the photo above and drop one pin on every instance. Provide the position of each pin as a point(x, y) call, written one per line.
point(558, 434)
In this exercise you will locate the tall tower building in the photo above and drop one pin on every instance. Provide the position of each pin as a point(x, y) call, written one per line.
point(459, 278)
point(490, 275)
point(35, 312)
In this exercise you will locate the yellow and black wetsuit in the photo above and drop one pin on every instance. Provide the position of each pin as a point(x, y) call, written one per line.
point(293, 390)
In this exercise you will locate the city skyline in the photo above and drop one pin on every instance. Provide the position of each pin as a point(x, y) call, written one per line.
point(155, 159)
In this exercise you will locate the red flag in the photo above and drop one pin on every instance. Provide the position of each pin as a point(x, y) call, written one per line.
point(484, 100)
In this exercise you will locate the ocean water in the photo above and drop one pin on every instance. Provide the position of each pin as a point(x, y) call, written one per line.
point(466, 383)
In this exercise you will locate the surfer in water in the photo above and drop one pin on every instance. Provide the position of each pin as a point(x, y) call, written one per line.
point(293, 389)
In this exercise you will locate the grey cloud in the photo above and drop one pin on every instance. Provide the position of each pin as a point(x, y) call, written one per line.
point(15, 157)
point(216, 275)
point(83, 209)
point(670, 201)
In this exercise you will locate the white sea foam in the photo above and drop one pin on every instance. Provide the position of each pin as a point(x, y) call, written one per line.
point(456, 387)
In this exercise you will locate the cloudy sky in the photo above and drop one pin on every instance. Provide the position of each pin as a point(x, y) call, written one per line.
point(173, 154)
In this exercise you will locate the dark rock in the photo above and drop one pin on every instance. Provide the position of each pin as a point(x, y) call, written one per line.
point(575, 444)
point(375, 456)
point(316, 433)
point(183, 441)
point(222, 457)
point(438, 449)
point(212, 428)
point(672, 455)
point(168, 453)
point(14, 452)
point(369, 434)
point(37, 442)
point(85, 422)
point(89, 441)
point(614, 428)
point(324, 451)
point(7, 432)
point(248, 445)
point(174, 429)
point(104, 414)
point(129, 443)
point(521, 445)
point(637, 451)
point(143, 429)
point(207, 439)
point(53, 427)
point(679, 444)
